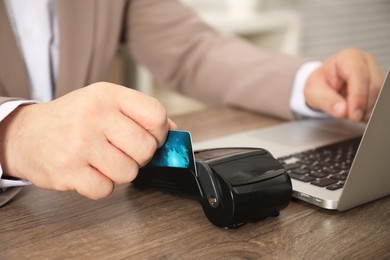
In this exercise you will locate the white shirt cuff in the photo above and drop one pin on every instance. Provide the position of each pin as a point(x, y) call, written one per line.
point(297, 100)
point(6, 183)
point(6, 109)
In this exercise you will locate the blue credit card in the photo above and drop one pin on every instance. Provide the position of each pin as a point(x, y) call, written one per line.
point(175, 153)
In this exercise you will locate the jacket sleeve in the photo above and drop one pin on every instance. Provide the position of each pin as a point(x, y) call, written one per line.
point(186, 55)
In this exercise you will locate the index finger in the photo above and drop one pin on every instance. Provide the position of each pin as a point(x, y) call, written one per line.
point(145, 111)
point(352, 67)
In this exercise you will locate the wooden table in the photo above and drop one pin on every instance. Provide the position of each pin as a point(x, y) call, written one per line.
point(133, 224)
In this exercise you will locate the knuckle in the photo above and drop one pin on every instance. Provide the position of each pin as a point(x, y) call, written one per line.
point(99, 191)
point(133, 172)
point(127, 173)
point(160, 114)
point(149, 147)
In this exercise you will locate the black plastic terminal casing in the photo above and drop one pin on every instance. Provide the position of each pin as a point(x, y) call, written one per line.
point(234, 185)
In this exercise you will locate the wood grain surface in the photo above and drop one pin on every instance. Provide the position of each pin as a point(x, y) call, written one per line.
point(134, 224)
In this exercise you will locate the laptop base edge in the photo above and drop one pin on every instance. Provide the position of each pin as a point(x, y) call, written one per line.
point(322, 203)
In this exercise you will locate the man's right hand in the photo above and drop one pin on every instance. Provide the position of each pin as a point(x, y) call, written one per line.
point(87, 140)
point(346, 85)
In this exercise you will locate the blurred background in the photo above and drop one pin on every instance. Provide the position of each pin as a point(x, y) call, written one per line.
point(311, 28)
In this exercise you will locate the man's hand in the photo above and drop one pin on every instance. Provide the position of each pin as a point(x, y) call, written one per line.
point(346, 85)
point(86, 141)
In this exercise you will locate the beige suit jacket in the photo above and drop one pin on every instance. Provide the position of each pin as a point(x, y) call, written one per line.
point(170, 40)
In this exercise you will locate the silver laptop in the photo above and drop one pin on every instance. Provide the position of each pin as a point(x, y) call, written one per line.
point(333, 164)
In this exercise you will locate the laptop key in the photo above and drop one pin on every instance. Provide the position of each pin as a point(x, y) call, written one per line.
point(304, 178)
point(339, 177)
point(324, 182)
point(291, 166)
point(318, 174)
point(335, 186)
point(325, 166)
point(331, 171)
point(300, 171)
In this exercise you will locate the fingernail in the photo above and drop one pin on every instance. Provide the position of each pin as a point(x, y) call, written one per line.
point(339, 108)
point(357, 115)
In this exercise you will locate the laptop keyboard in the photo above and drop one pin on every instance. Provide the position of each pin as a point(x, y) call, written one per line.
point(326, 167)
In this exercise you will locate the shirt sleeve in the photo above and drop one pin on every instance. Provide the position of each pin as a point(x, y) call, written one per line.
point(297, 101)
point(6, 109)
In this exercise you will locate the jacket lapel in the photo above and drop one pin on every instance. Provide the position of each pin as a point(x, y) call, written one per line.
point(13, 73)
point(76, 21)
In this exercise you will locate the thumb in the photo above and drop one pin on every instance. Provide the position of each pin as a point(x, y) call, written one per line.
point(171, 125)
point(326, 98)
